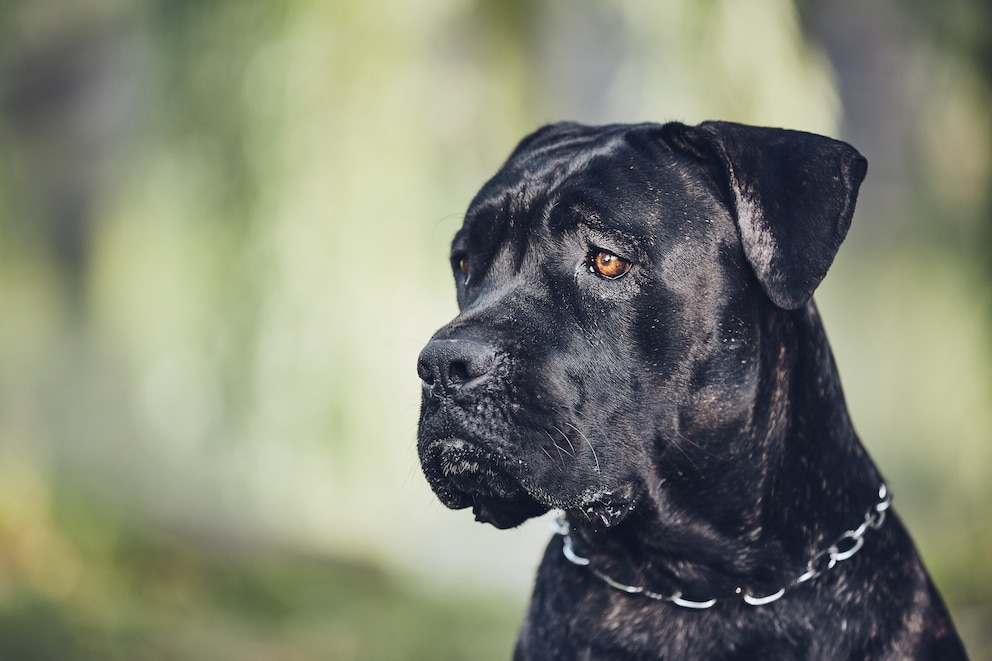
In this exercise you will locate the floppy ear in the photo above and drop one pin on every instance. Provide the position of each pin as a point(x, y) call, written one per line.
point(792, 194)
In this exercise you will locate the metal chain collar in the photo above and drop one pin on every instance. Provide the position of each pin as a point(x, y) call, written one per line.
point(842, 549)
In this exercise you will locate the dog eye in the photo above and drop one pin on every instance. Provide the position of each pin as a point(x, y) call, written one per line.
point(460, 263)
point(607, 265)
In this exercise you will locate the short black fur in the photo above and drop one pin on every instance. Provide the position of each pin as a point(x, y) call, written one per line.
point(687, 417)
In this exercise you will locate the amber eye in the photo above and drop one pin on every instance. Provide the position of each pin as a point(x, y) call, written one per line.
point(608, 265)
point(463, 265)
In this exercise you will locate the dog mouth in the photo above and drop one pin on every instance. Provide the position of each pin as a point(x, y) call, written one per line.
point(464, 475)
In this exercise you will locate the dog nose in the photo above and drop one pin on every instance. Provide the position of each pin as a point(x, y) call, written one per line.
point(446, 366)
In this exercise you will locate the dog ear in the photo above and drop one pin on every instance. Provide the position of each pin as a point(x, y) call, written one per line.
point(792, 193)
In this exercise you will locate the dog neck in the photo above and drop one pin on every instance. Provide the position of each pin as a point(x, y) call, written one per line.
point(845, 547)
point(696, 534)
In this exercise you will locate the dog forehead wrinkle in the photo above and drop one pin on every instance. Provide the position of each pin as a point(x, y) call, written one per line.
point(499, 233)
point(550, 140)
point(582, 159)
point(548, 166)
point(560, 143)
point(509, 274)
point(558, 206)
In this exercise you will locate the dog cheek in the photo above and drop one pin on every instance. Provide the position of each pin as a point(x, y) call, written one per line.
point(719, 407)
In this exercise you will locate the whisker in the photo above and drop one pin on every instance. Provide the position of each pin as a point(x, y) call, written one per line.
point(700, 447)
point(559, 448)
point(588, 442)
point(684, 453)
point(567, 439)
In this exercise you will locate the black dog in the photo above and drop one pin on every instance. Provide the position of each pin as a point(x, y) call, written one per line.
point(637, 346)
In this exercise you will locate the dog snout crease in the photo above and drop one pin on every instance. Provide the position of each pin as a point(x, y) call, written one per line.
point(448, 366)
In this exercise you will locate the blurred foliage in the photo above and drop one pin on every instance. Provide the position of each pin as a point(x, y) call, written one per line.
point(223, 240)
point(80, 582)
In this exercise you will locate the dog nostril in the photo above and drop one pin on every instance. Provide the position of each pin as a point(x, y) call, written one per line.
point(424, 372)
point(458, 373)
point(448, 365)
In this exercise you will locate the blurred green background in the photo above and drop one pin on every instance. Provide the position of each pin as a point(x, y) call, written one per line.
point(223, 241)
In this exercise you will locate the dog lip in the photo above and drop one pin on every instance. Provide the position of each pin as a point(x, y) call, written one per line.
point(454, 457)
point(459, 459)
point(465, 468)
point(450, 443)
point(464, 474)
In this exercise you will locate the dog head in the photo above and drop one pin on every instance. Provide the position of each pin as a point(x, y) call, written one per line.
point(613, 285)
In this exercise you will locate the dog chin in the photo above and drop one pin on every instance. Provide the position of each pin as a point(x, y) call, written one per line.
point(607, 508)
point(463, 475)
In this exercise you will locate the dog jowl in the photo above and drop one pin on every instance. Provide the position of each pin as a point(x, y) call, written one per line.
point(638, 348)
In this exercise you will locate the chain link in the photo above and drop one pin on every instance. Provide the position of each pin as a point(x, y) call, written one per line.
point(850, 542)
point(843, 548)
